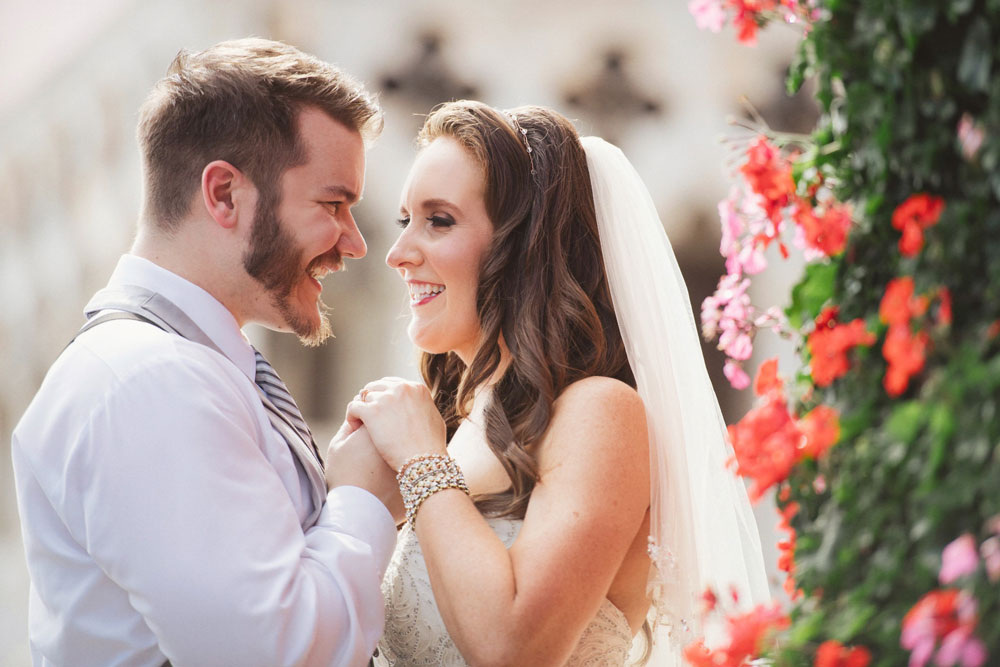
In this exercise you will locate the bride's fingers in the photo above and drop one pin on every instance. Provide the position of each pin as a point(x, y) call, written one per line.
point(385, 384)
point(363, 405)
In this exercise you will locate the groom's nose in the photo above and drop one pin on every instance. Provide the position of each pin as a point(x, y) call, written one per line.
point(351, 243)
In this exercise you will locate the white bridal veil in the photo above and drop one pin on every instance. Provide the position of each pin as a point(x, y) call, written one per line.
point(702, 530)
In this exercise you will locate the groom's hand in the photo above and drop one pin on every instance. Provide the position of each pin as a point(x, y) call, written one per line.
point(352, 460)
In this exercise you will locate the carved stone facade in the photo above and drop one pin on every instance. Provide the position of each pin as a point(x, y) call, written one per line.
point(637, 72)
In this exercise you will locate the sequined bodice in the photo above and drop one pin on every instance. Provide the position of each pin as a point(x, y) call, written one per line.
point(415, 634)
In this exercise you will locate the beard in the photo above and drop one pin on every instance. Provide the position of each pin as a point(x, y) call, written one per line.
point(278, 264)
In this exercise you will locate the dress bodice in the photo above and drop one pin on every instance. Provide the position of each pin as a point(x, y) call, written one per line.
point(415, 634)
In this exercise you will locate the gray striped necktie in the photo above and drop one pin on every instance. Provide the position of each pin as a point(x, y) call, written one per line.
point(268, 380)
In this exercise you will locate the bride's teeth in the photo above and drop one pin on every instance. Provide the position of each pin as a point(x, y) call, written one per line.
point(418, 292)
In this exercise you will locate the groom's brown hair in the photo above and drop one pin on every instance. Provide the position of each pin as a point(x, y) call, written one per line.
point(238, 101)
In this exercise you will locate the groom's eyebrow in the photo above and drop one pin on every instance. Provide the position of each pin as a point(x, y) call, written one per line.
point(340, 192)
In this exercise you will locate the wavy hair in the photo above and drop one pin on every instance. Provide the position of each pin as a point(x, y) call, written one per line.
point(542, 291)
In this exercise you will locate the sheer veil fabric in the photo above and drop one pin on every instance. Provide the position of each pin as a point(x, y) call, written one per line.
point(702, 530)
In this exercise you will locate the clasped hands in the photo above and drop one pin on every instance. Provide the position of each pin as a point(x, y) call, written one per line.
point(396, 420)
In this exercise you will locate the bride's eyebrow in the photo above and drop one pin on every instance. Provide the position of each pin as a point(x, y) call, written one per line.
point(441, 203)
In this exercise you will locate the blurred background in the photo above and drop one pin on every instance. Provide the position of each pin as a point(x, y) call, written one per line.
point(73, 74)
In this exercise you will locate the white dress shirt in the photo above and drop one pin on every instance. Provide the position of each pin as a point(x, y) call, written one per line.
point(162, 512)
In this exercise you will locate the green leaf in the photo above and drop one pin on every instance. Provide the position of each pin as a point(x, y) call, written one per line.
point(976, 61)
point(960, 7)
point(812, 292)
point(941, 425)
point(906, 421)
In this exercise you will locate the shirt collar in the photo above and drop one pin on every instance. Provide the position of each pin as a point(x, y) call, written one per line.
point(204, 309)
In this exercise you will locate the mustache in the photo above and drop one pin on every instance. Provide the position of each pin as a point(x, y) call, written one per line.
point(331, 260)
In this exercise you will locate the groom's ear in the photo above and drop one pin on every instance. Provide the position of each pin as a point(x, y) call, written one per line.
point(226, 193)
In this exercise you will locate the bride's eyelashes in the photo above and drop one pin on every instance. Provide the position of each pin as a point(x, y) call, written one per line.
point(443, 221)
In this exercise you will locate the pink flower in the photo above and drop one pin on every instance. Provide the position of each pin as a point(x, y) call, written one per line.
point(736, 375)
point(751, 258)
point(708, 14)
point(740, 348)
point(990, 551)
point(970, 136)
point(961, 647)
point(743, 253)
point(959, 559)
point(732, 224)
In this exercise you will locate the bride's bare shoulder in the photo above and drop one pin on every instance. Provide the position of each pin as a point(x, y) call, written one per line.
point(596, 416)
point(599, 393)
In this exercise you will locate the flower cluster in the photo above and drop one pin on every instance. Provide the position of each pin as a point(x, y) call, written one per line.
point(905, 350)
point(942, 625)
point(729, 314)
point(794, 192)
point(753, 217)
point(769, 441)
point(961, 557)
point(748, 635)
point(830, 342)
point(748, 15)
point(912, 217)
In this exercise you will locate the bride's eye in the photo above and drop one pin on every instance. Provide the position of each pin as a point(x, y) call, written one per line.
point(403, 222)
point(441, 220)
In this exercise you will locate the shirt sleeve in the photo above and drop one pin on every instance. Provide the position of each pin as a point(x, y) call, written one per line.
point(182, 509)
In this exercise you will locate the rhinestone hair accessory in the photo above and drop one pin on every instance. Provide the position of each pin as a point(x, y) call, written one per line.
point(524, 138)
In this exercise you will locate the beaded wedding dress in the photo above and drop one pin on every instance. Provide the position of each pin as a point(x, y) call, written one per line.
point(415, 634)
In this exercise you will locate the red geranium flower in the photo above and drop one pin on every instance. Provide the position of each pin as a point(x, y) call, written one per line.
point(828, 232)
point(829, 344)
point(766, 444)
point(943, 622)
point(905, 353)
point(770, 176)
point(912, 217)
point(898, 303)
point(821, 428)
point(747, 16)
point(748, 636)
point(834, 654)
point(767, 378)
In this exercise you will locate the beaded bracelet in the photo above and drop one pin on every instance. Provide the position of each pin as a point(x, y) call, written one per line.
point(422, 476)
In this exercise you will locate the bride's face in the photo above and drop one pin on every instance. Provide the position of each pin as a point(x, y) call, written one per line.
point(445, 233)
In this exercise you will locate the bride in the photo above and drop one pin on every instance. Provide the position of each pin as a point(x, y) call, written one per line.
point(562, 466)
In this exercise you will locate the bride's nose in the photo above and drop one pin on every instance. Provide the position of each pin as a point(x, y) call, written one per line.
point(402, 253)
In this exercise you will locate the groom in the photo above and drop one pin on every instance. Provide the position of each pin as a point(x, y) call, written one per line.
point(172, 500)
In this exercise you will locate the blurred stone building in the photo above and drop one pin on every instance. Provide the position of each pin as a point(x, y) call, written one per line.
point(72, 76)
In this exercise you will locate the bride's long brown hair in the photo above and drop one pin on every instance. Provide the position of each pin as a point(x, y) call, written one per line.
point(542, 286)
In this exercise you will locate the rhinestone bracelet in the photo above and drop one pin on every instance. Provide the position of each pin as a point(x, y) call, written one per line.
point(422, 476)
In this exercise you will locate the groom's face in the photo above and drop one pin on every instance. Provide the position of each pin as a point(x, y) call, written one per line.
point(304, 228)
